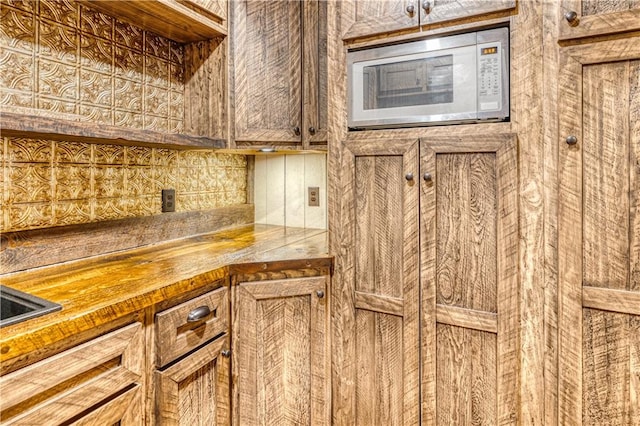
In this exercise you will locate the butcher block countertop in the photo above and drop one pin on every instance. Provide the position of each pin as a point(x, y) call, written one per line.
point(100, 290)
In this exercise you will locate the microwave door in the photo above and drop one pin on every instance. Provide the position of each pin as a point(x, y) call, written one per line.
point(414, 88)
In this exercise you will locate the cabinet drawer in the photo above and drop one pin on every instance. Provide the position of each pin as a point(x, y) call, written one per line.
point(100, 379)
point(190, 324)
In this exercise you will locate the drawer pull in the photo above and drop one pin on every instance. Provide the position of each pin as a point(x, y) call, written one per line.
point(198, 314)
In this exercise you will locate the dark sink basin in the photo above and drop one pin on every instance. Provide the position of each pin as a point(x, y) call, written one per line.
point(16, 306)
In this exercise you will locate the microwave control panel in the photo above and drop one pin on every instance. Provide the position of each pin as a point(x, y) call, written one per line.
point(489, 76)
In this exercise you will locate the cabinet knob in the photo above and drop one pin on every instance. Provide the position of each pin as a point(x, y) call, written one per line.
point(312, 130)
point(296, 130)
point(426, 6)
point(409, 176)
point(410, 8)
point(572, 18)
point(198, 314)
point(320, 294)
point(427, 177)
point(225, 353)
point(571, 140)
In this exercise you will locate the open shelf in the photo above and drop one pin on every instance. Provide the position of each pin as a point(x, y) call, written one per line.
point(33, 126)
point(172, 19)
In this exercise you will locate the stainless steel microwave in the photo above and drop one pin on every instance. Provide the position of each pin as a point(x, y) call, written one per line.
point(458, 78)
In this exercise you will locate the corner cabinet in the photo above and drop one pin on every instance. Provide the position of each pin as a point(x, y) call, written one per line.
point(371, 17)
point(279, 73)
point(281, 352)
point(98, 382)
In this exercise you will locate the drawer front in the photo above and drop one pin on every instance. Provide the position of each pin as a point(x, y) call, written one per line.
point(190, 324)
point(77, 382)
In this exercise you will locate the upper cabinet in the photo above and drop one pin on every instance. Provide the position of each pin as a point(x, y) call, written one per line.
point(370, 17)
point(183, 21)
point(587, 18)
point(279, 73)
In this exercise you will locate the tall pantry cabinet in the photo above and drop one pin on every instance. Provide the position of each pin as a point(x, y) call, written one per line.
point(599, 233)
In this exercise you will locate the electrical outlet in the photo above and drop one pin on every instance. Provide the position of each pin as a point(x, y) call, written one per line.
point(168, 200)
point(314, 196)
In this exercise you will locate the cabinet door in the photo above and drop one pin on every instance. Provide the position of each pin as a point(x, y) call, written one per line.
point(376, 291)
point(368, 17)
point(267, 73)
point(314, 70)
point(599, 234)
point(280, 352)
point(195, 390)
point(584, 18)
point(469, 256)
point(98, 382)
point(441, 11)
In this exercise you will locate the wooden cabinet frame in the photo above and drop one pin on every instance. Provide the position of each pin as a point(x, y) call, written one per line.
point(572, 296)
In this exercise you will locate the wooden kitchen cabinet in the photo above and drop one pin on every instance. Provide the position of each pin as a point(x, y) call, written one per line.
point(98, 382)
point(281, 366)
point(371, 17)
point(280, 73)
point(469, 279)
point(376, 335)
point(192, 359)
point(195, 390)
point(426, 318)
point(588, 18)
point(598, 233)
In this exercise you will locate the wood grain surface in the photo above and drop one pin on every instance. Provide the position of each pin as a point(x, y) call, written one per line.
point(470, 303)
point(35, 248)
point(170, 18)
point(598, 234)
point(599, 17)
point(281, 353)
point(34, 126)
point(195, 390)
point(97, 291)
point(66, 385)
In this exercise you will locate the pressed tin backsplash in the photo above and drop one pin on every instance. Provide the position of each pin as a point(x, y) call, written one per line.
point(59, 57)
point(50, 183)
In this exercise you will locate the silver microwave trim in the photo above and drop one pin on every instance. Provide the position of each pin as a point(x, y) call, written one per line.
point(475, 38)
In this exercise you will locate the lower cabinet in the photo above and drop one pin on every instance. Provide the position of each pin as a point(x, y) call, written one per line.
point(280, 352)
point(192, 366)
point(195, 390)
point(97, 382)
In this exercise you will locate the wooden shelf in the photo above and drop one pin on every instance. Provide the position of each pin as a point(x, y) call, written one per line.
point(173, 19)
point(33, 126)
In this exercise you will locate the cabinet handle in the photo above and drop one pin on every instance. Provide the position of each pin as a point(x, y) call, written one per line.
point(198, 314)
point(427, 177)
point(225, 353)
point(426, 6)
point(409, 176)
point(296, 130)
point(572, 18)
point(312, 130)
point(320, 294)
point(571, 140)
point(410, 8)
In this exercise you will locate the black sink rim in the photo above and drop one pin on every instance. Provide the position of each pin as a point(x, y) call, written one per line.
point(40, 306)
